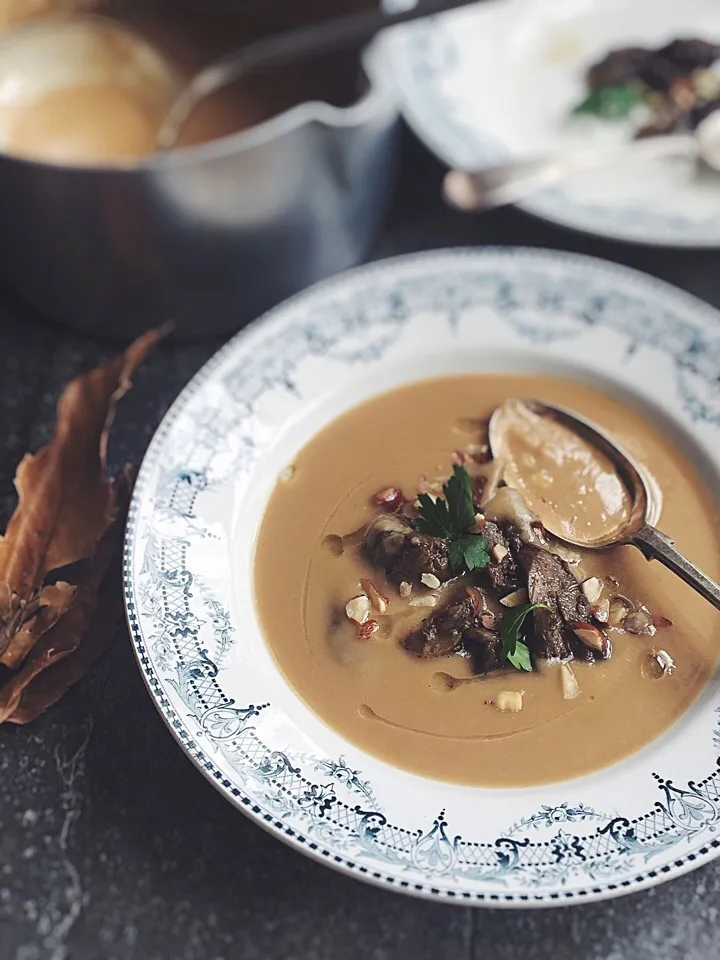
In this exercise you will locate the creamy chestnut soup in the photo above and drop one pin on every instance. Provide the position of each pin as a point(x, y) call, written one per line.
point(413, 598)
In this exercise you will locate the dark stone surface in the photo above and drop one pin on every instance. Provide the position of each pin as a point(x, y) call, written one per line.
point(113, 846)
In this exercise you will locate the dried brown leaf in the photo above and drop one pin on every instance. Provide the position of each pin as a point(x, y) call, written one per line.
point(65, 651)
point(53, 602)
point(65, 499)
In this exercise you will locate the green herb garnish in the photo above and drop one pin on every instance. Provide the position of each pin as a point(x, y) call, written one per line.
point(612, 103)
point(453, 520)
point(513, 649)
point(470, 551)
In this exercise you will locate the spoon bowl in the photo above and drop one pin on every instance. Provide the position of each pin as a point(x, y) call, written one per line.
point(644, 505)
point(639, 530)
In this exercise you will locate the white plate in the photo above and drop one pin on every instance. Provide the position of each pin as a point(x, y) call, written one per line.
point(498, 80)
point(200, 496)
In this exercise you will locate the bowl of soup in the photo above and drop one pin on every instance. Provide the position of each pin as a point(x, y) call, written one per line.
point(275, 182)
point(356, 604)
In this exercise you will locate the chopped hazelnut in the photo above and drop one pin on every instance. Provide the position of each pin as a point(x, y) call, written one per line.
point(510, 701)
point(515, 599)
point(592, 588)
point(601, 611)
point(570, 686)
point(660, 622)
point(389, 498)
point(405, 589)
point(288, 473)
point(429, 600)
point(640, 623)
point(620, 607)
point(658, 664)
point(378, 600)
point(367, 629)
point(358, 609)
point(430, 580)
point(594, 638)
point(476, 599)
point(499, 552)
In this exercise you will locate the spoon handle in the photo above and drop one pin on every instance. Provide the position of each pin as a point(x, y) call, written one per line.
point(655, 545)
point(511, 182)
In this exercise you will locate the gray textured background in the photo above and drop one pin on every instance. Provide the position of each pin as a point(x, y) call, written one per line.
point(113, 846)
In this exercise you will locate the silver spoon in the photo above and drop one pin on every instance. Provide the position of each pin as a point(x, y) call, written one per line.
point(652, 543)
point(515, 181)
point(299, 43)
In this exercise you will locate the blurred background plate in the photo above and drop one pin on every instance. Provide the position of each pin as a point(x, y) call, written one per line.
point(498, 81)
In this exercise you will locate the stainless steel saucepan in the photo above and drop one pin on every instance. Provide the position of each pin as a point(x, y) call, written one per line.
point(209, 236)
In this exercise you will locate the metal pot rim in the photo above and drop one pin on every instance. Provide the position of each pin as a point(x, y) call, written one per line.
point(310, 111)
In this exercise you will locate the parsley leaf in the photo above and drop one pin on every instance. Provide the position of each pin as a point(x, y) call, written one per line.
point(453, 519)
point(612, 102)
point(434, 518)
point(471, 550)
point(458, 493)
point(513, 649)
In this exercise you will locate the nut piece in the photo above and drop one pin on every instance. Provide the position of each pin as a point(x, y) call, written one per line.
point(510, 701)
point(499, 552)
point(706, 84)
point(480, 522)
point(288, 473)
point(661, 622)
point(476, 599)
point(620, 607)
point(367, 629)
point(430, 486)
point(405, 589)
point(592, 588)
point(430, 580)
point(658, 664)
point(429, 600)
point(570, 687)
point(640, 624)
point(389, 498)
point(378, 600)
point(358, 609)
point(601, 611)
point(515, 599)
point(479, 452)
point(593, 638)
